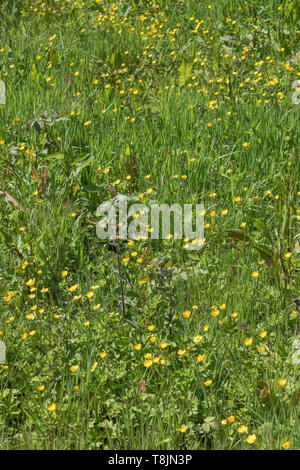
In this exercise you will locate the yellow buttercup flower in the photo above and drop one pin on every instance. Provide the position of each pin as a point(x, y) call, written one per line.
point(201, 357)
point(181, 352)
point(207, 383)
point(52, 407)
point(73, 288)
point(74, 368)
point(242, 429)
point(251, 439)
point(186, 313)
point(282, 382)
point(30, 316)
point(215, 312)
point(197, 338)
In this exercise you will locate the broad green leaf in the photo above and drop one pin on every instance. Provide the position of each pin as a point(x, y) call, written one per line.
point(265, 252)
point(209, 419)
point(261, 225)
point(185, 72)
point(206, 427)
point(35, 76)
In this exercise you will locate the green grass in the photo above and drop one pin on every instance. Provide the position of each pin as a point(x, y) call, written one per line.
point(130, 97)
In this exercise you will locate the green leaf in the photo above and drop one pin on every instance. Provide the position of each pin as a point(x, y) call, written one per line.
point(185, 72)
point(54, 155)
point(261, 225)
point(292, 10)
point(265, 252)
point(209, 419)
point(206, 427)
point(237, 234)
point(35, 76)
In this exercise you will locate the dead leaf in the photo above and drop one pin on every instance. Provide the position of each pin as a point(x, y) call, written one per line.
point(76, 188)
point(142, 386)
point(12, 200)
point(263, 393)
point(43, 181)
point(111, 190)
point(6, 171)
point(35, 175)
